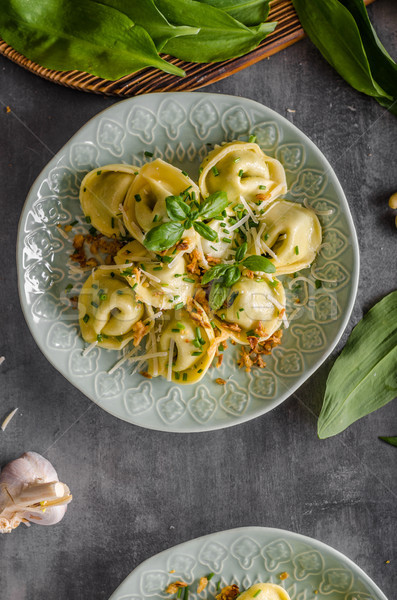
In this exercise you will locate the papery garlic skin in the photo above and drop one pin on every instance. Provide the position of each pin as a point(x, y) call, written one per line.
point(31, 491)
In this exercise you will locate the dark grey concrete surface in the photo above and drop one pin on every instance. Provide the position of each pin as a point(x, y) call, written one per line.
point(137, 492)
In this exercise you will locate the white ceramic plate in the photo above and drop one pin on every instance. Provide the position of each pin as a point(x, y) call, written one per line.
point(251, 555)
point(181, 128)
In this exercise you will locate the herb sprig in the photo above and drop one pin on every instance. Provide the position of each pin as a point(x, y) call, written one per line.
point(224, 276)
point(184, 216)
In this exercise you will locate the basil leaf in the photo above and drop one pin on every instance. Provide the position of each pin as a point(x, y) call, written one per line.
point(231, 276)
point(147, 15)
point(241, 251)
point(389, 440)
point(213, 205)
point(205, 231)
point(364, 376)
point(249, 12)
point(231, 299)
point(163, 236)
point(259, 263)
point(214, 273)
point(220, 37)
point(218, 295)
point(177, 209)
point(85, 35)
point(332, 28)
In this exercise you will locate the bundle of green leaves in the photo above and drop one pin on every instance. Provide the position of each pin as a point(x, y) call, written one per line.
point(343, 33)
point(112, 38)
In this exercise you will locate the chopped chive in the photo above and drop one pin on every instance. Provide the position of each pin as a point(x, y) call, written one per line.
point(94, 304)
point(98, 172)
point(200, 170)
point(119, 292)
point(184, 377)
point(266, 236)
point(210, 576)
point(256, 593)
point(262, 187)
point(166, 259)
point(103, 297)
point(175, 330)
point(92, 231)
point(213, 247)
point(134, 286)
point(196, 353)
point(179, 305)
point(112, 222)
point(150, 154)
point(136, 172)
point(178, 275)
point(226, 240)
point(84, 189)
point(252, 139)
point(86, 317)
point(318, 284)
point(189, 280)
point(88, 219)
point(119, 338)
point(221, 348)
point(218, 585)
point(236, 160)
point(193, 195)
point(177, 375)
point(68, 287)
point(240, 173)
point(73, 223)
point(138, 198)
point(99, 337)
point(273, 283)
point(212, 324)
point(215, 171)
point(296, 250)
point(94, 285)
point(156, 218)
point(157, 268)
point(186, 175)
point(224, 213)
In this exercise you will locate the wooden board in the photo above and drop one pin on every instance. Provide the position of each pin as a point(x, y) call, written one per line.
point(287, 32)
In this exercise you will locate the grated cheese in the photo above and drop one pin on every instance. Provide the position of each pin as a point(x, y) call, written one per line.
point(239, 223)
point(122, 360)
point(145, 357)
point(150, 276)
point(63, 233)
point(136, 232)
point(170, 357)
point(89, 348)
point(247, 206)
point(2, 359)
point(114, 267)
point(153, 317)
point(154, 350)
point(8, 418)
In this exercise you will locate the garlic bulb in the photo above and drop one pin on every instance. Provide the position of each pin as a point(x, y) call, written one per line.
point(31, 491)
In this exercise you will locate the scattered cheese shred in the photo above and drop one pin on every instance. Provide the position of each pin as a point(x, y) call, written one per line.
point(170, 359)
point(8, 419)
point(150, 276)
point(248, 208)
point(239, 223)
point(89, 348)
point(2, 359)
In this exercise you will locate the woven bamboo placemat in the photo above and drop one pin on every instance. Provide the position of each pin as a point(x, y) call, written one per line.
point(287, 32)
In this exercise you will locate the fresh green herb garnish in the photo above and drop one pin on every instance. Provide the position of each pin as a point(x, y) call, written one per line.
point(215, 171)
point(240, 173)
point(262, 187)
point(137, 197)
point(149, 154)
point(86, 318)
point(189, 280)
point(252, 139)
point(179, 305)
point(73, 223)
point(389, 440)
point(296, 250)
point(68, 287)
point(88, 219)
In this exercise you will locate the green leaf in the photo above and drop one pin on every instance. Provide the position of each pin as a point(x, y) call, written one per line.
point(220, 37)
point(218, 295)
point(84, 35)
point(163, 236)
point(241, 251)
point(146, 14)
point(231, 276)
point(382, 65)
point(177, 209)
point(259, 263)
point(332, 28)
point(213, 205)
point(205, 231)
point(249, 12)
point(214, 273)
point(364, 376)
point(389, 440)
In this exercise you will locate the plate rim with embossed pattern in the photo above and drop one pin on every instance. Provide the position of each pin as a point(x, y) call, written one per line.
point(189, 99)
point(129, 589)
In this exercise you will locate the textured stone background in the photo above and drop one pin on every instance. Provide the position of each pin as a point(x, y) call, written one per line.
point(137, 492)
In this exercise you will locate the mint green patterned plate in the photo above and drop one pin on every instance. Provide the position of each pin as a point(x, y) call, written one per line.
point(181, 128)
point(249, 555)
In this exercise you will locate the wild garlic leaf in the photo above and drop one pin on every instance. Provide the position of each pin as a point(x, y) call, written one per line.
point(163, 236)
point(259, 263)
point(389, 440)
point(205, 231)
point(146, 14)
point(177, 209)
point(249, 12)
point(332, 28)
point(213, 205)
point(364, 376)
point(218, 295)
point(84, 35)
point(220, 37)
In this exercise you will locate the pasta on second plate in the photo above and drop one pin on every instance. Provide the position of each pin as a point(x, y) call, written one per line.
point(189, 266)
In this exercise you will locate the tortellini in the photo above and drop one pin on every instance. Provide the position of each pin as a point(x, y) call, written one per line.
point(255, 308)
point(190, 338)
point(293, 233)
point(145, 205)
point(242, 169)
point(102, 192)
point(166, 285)
point(108, 310)
point(265, 591)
